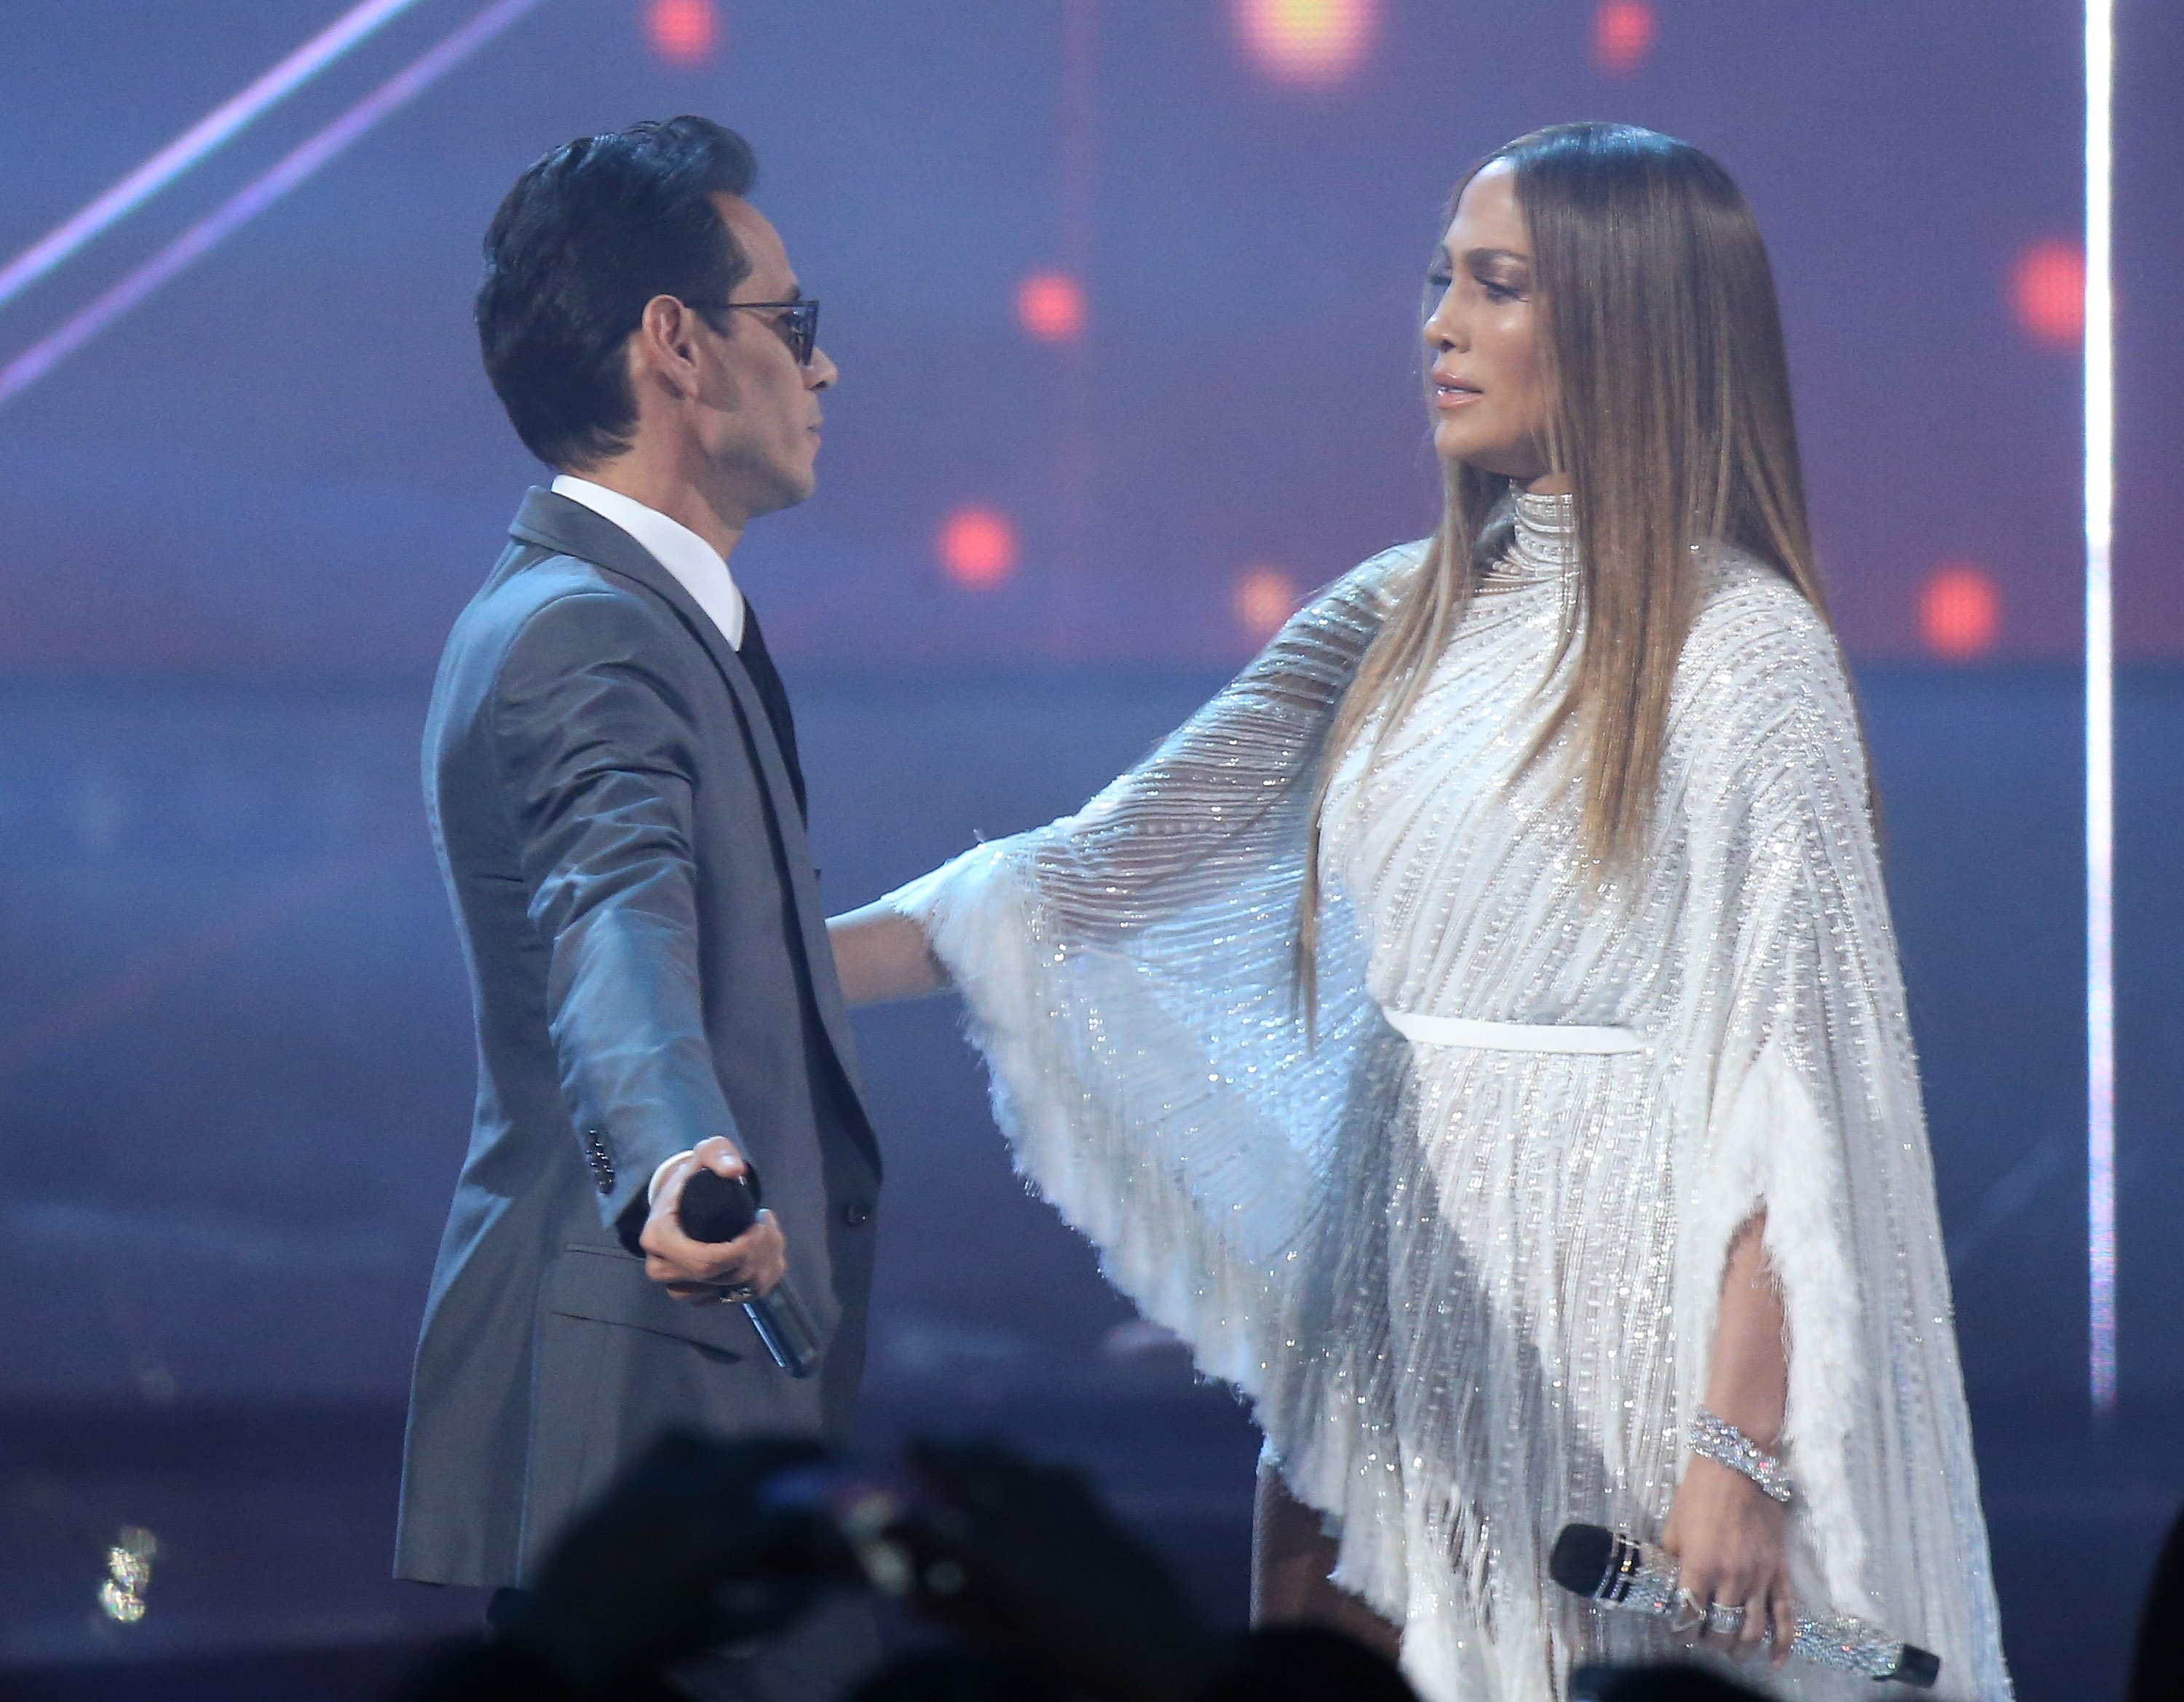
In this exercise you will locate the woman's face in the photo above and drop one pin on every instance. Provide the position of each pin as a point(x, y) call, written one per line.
point(1487, 381)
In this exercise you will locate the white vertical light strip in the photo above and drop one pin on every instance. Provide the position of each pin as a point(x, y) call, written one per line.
point(2100, 705)
point(217, 126)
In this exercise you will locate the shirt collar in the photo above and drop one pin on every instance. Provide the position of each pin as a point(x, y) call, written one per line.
point(696, 565)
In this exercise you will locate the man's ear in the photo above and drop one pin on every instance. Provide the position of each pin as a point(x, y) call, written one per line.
point(664, 347)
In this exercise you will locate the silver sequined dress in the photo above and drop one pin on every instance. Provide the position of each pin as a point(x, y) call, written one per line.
point(1461, 1244)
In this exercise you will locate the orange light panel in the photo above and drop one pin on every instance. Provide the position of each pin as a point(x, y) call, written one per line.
point(1265, 596)
point(1621, 35)
point(1051, 306)
point(2047, 289)
point(1959, 611)
point(1311, 43)
point(684, 32)
point(977, 547)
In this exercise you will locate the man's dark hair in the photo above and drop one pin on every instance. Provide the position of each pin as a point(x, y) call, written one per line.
point(589, 234)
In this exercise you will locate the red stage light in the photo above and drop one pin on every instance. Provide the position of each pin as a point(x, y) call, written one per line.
point(1312, 43)
point(1051, 306)
point(685, 32)
point(1621, 35)
point(1959, 611)
point(977, 547)
point(2048, 288)
point(1265, 596)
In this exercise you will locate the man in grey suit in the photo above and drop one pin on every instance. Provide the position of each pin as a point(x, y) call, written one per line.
point(611, 773)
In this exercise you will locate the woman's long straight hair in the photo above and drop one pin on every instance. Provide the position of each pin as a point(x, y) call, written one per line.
point(1662, 349)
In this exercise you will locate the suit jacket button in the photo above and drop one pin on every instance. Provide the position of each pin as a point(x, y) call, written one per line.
point(857, 1214)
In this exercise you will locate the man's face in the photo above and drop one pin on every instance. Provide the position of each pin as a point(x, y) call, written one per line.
point(757, 416)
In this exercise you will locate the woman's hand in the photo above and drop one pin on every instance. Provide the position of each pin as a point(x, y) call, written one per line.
point(1726, 1535)
point(1724, 1530)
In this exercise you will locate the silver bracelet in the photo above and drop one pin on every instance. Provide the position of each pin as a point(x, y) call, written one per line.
point(1719, 1440)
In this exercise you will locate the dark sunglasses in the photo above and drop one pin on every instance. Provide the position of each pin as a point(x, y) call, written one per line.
point(797, 322)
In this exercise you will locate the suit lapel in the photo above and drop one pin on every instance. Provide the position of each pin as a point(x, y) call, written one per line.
point(569, 528)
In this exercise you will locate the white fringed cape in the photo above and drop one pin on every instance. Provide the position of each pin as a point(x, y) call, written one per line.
point(1468, 1291)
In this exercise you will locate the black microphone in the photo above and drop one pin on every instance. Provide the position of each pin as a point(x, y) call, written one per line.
point(715, 1208)
point(1619, 1571)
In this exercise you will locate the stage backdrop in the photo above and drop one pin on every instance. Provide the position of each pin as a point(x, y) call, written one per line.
point(1124, 293)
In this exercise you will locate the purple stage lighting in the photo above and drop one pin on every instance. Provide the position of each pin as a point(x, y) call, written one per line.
point(201, 238)
point(217, 126)
point(2100, 706)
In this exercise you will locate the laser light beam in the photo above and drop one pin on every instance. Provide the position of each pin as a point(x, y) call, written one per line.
point(254, 197)
point(194, 144)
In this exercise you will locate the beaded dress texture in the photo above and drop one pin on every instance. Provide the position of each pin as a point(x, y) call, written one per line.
point(1468, 1272)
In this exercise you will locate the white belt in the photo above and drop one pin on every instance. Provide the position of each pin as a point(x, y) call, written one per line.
point(1511, 1037)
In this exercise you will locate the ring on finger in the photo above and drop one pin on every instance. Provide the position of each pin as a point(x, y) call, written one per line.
point(735, 1293)
point(1724, 1620)
point(1690, 1613)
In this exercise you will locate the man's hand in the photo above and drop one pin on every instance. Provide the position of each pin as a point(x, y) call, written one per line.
point(699, 1271)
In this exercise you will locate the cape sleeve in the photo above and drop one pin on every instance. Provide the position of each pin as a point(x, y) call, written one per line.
point(1128, 973)
point(1814, 1112)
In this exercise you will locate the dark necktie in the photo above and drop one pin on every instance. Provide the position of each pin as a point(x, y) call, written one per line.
point(774, 696)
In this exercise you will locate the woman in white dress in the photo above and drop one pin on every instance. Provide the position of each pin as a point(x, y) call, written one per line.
point(1478, 1032)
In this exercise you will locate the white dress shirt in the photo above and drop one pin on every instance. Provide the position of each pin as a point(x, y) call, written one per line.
point(696, 565)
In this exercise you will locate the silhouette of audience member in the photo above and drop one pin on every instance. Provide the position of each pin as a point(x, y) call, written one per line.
point(1668, 1683)
point(1049, 1598)
point(2156, 1666)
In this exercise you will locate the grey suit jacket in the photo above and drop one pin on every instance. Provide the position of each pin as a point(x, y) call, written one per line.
point(650, 967)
